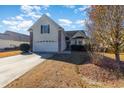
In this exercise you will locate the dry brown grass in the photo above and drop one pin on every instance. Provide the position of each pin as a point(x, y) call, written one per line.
point(110, 55)
point(9, 53)
point(61, 71)
point(96, 76)
point(52, 73)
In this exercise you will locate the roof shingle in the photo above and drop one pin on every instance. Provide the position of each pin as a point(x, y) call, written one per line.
point(9, 35)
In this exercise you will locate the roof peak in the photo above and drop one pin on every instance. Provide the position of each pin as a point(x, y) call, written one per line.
point(73, 32)
point(44, 15)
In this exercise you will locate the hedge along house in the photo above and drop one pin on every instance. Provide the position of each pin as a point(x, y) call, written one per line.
point(47, 36)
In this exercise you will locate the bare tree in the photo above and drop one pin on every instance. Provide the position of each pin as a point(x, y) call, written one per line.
point(108, 27)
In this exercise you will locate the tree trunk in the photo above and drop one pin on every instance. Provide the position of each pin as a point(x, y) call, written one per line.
point(117, 60)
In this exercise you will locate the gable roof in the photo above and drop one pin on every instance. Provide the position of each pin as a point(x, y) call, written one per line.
point(70, 34)
point(9, 35)
point(44, 16)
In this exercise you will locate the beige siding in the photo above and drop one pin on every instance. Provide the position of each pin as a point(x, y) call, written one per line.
point(76, 41)
point(10, 43)
point(38, 45)
point(52, 38)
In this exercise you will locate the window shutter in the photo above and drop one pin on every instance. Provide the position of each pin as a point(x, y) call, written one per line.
point(48, 28)
point(41, 29)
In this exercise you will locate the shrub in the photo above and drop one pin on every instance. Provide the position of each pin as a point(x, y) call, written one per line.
point(25, 47)
point(78, 48)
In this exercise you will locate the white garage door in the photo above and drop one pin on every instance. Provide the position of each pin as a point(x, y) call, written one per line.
point(49, 46)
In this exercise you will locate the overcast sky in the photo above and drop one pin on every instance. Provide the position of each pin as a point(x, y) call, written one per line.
point(20, 18)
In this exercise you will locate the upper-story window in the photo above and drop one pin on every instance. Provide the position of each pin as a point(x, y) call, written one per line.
point(45, 29)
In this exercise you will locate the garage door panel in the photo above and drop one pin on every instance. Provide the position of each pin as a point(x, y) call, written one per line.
point(48, 47)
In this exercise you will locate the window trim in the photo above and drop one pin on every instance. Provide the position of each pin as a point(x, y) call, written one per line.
point(43, 29)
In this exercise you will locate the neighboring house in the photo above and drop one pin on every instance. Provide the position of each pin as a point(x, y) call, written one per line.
point(47, 36)
point(76, 37)
point(11, 39)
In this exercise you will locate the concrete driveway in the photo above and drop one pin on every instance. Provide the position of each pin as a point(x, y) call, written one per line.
point(13, 67)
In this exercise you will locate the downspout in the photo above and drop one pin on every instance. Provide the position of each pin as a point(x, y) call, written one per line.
point(31, 40)
point(59, 41)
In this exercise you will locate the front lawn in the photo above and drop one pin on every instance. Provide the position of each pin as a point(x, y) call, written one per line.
point(9, 53)
point(64, 70)
point(113, 56)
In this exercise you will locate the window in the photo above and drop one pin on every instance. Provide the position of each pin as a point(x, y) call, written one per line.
point(45, 29)
point(75, 42)
point(80, 42)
